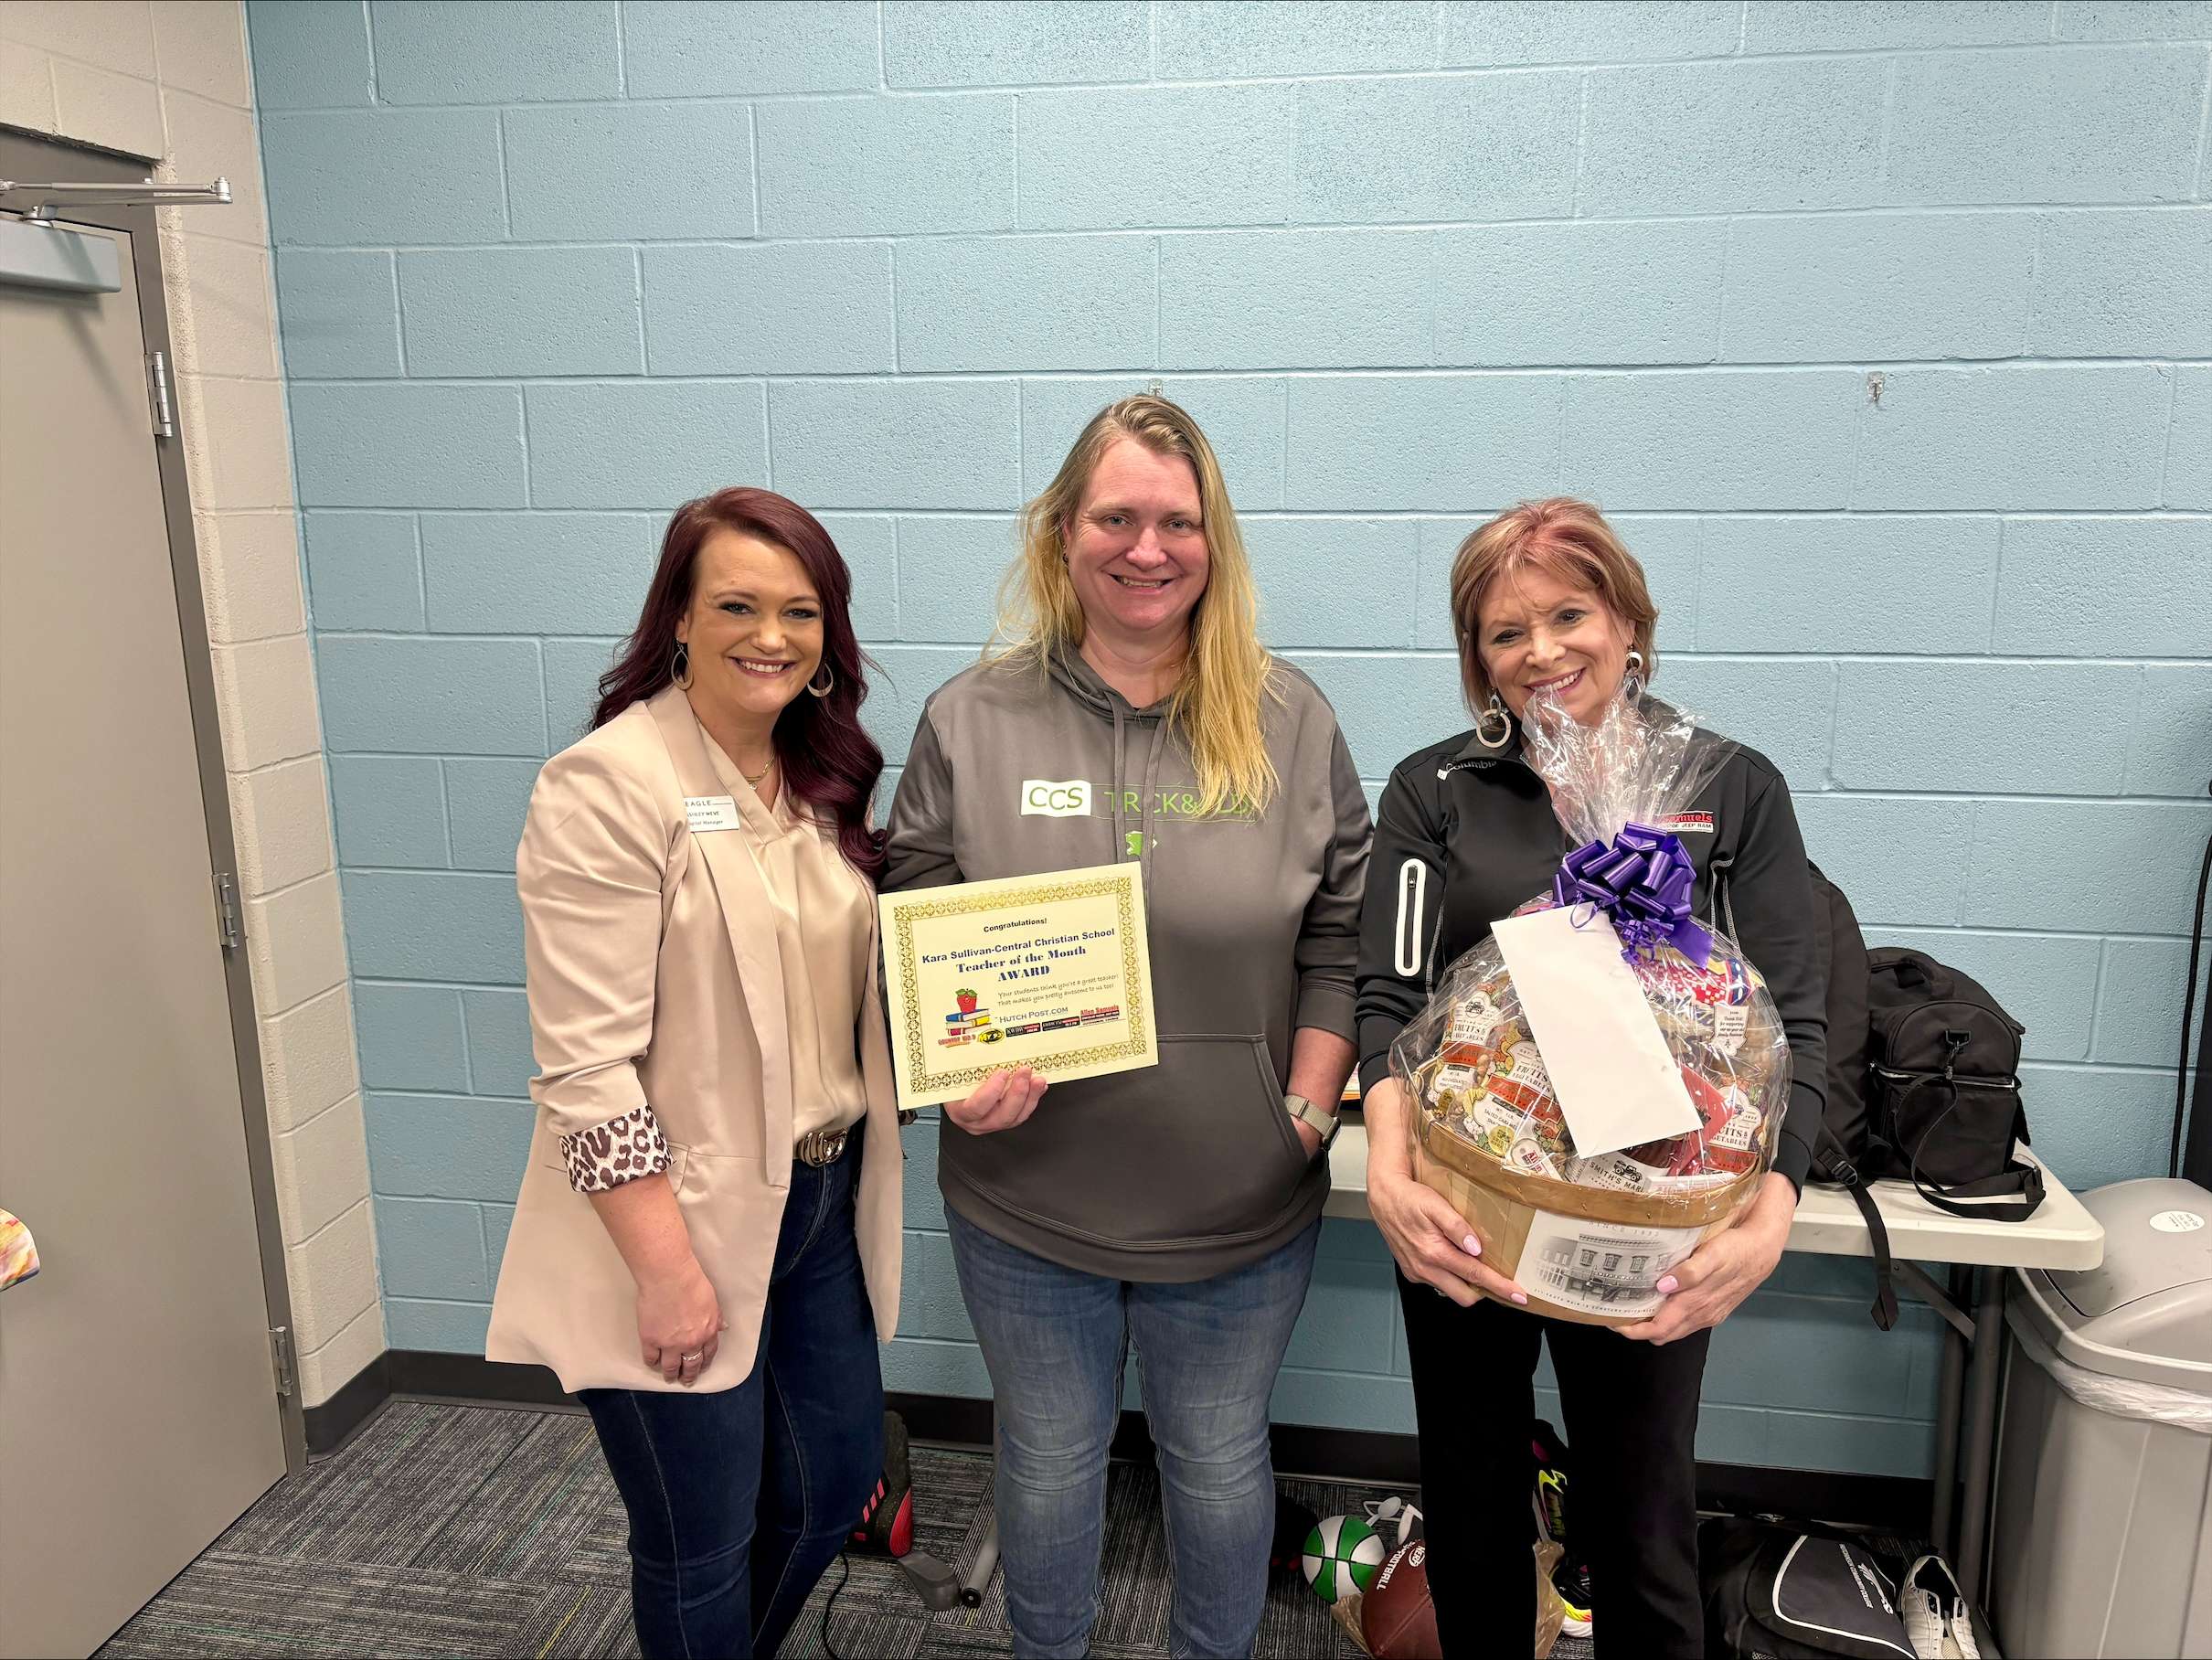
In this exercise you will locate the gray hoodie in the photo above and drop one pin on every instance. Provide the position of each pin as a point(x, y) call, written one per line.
point(1190, 1168)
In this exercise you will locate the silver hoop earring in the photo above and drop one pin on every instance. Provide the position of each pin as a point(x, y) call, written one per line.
point(824, 689)
point(679, 667)
point(1494, 719)
point(1631, 682)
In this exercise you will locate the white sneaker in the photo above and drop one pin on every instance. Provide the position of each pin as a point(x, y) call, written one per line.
point(1396, 1520)
point(1936, 1619)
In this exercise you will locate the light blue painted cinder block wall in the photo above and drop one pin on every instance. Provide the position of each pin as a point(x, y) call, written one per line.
point(1886, 331)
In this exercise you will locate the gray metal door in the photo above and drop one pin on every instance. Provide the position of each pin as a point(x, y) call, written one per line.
point(139, 1414)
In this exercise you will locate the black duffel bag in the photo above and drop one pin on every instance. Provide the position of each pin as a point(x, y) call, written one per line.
point(1773, 1591)
point(1943, 1088)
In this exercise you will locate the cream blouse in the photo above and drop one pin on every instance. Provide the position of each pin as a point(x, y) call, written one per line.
point(822, 909)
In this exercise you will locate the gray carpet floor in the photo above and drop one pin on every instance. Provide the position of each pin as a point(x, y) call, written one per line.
point(443, 1529)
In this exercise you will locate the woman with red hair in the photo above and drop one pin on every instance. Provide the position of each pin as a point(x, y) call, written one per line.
point(706, 1246)
point(1546, 601)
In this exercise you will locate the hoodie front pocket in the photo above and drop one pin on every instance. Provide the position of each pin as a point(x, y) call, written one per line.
point(1197, 1148)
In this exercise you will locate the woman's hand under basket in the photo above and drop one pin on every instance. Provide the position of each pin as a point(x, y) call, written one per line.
point(1706, 1286)
point(1431, 1241)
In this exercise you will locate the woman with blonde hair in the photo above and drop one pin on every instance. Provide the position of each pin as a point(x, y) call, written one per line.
point(1130, 714)
point(1545, 599)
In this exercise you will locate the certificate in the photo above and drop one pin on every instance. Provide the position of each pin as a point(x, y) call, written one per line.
point(1049, 972)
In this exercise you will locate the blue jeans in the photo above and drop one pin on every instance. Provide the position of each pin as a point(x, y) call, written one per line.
point(1207, 1352)
point(738, 1500)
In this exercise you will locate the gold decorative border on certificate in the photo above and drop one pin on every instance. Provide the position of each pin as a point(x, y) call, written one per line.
point(953, 905)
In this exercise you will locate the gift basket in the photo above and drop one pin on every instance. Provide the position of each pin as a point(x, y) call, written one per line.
point(1588, 1236)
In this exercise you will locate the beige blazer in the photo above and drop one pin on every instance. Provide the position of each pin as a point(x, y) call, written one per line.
point(653, 979)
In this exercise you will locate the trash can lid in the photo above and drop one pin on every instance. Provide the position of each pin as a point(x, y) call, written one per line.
point(2146, 1311)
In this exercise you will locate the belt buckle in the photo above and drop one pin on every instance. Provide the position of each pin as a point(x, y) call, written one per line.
point(820, 1147)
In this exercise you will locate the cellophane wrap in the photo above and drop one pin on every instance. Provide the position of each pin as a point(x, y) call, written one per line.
point(1590, 1237)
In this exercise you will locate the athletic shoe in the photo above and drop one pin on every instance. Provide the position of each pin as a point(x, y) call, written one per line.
point(1936, 1618)
point(1571, 1582)
point(1396, 1521)
point(1570, 1578)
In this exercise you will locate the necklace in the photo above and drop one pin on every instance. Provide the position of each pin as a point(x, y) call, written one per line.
point(753, 779)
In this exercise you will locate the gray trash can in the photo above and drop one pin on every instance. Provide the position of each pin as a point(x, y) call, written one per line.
point(2102, 1543)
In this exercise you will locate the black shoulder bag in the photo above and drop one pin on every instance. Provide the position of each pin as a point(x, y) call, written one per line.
point(1943, 1081)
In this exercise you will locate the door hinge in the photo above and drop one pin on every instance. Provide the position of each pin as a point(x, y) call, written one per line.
point(157, 394)
point(281, 1358)
point(228, 919)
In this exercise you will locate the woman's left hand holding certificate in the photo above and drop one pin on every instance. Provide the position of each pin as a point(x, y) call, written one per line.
point(998, 987)
point(1001, 1101)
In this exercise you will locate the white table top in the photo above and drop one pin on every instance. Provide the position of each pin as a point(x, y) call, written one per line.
point(2061, 1234)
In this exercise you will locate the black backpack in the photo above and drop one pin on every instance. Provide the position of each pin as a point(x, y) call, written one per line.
point(1781, 1592)
point(1923, 1084)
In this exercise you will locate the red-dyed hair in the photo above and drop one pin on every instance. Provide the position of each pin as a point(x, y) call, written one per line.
point(829, 761)
point(1570, 539)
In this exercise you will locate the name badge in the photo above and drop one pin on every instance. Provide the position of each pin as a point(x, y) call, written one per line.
point(711, 813)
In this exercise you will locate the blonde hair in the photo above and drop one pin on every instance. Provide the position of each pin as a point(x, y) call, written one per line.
point(1215, 706)
point(1571, 540)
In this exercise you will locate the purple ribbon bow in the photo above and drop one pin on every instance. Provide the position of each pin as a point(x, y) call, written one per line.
point(1643, 882)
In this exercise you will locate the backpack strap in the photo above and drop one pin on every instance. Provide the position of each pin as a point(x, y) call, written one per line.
point(1837, 1166)
point(2011, 1195)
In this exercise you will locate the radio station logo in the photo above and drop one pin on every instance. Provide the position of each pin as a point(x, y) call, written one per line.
point(972, 1023)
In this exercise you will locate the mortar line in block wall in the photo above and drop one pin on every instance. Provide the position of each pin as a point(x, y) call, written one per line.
point(1276, 228)
point(986, 89)
point(328, 873)
point(768, 435)
point(2204, 129)
point(368, 43)
point(1378, 514)
point(1385, 371)
point(1574, 209)
point(1349, 653)
point(2035, 287)
point(752, 158)
point(1996, 584)
point(322, 1111)
point(506, 206)
point(301, 1244)
point(2166, 461)
point(2104, 965)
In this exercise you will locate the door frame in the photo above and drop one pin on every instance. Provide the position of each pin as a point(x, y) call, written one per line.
point(26, 155)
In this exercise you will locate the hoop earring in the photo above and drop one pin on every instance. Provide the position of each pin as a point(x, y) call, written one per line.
point(824, 689)
point(1494, 719)
point(679, 667)
point(1631, 682)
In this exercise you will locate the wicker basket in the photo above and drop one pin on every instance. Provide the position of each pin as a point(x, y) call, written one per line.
point(1503, 1207)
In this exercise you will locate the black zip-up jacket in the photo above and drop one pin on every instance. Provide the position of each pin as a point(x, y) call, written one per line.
point(1466, 835)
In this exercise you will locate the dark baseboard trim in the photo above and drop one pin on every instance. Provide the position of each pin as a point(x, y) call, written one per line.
point(1892, 1502)
point(1895, 1504)
point(429, 1375)
point(332, 1424)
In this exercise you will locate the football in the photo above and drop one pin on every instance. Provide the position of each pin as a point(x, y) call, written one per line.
point(1396, 1617)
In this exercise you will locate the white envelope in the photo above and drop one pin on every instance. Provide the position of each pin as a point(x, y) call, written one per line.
point(1617, 1084)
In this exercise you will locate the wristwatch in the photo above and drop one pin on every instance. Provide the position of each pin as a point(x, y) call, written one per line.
point(1325, 1123)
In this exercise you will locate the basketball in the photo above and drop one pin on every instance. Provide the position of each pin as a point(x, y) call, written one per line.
point(1342, 1555)
point(1396, 1617)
